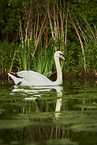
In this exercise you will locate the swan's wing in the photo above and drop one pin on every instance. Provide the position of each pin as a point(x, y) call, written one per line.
point(33, 77)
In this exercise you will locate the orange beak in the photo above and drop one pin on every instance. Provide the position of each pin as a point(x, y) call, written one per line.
point(62, 57)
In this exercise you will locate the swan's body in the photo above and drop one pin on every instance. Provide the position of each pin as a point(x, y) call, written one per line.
point(32, 78)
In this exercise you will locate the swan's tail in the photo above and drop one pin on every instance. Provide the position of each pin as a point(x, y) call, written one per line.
point(15, 79)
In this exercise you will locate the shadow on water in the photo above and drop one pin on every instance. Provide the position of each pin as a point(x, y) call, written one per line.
point(59, 115)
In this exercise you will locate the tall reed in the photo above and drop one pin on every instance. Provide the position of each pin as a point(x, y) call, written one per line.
point(44, 62)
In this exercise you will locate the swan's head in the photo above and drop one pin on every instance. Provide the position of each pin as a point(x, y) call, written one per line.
point(59, 54)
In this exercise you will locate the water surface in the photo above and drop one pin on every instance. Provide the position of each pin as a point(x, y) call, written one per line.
point(62, 115)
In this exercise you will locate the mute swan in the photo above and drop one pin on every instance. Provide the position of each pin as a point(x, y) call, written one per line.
point(32, 78)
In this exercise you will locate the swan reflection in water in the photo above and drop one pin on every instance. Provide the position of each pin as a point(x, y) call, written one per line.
point(35, 93)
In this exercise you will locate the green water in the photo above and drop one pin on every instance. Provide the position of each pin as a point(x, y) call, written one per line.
point(64, 115)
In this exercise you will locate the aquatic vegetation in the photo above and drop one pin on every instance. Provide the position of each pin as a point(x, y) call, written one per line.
point(49, 115)
point(8, 124)
point(61, 142)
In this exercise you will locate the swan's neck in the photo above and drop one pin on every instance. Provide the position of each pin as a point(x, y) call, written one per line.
point(59, 72)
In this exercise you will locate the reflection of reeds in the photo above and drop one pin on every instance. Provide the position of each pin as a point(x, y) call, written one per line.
point(41, 133)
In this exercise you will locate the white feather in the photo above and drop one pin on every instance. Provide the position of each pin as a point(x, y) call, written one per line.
point(32, 78)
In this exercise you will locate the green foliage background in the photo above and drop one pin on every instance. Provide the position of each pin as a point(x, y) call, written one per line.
point(21, 51)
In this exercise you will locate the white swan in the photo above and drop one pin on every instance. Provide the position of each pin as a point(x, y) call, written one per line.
point(32, 78)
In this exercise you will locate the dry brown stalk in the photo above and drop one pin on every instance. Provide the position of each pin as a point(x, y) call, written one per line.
point(79, 40)
point(79, 27)
point(21, 34)
point(91, 34)
point(48, 11)
point(43, 26)
point(57, 28)
point(66, 28)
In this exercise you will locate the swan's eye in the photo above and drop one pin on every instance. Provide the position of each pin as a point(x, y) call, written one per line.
point(61, 54)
